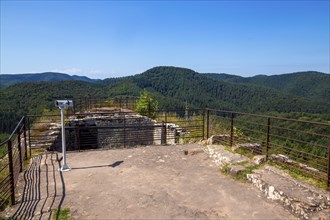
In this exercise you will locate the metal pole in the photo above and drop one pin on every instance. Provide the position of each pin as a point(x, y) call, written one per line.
point(124, 131)
point(25, 143)
point(29, 137)
point(64, 167)
point(203, 118)
point(207, 123)
point(232, 129)
point(19, 149)
point(11, 172)
point(165, 128)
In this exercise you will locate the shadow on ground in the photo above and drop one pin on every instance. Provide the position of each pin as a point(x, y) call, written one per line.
point(44, 188)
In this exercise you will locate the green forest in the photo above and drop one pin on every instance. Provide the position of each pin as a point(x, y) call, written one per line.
point(293, 94)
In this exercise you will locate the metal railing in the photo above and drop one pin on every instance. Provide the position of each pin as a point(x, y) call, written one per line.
point(302, 146)
point(116, 103)
point(13, 153)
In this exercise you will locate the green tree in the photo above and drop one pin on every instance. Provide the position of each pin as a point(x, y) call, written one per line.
point(146, 105)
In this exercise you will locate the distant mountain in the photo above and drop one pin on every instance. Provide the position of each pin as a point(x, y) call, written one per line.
point(173, 87)
point(309, 84)
point(10, 79)
point(201, 91)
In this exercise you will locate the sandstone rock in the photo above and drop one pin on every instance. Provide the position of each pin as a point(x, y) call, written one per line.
point(236, 169)
point(259, 159)
point(218, 139)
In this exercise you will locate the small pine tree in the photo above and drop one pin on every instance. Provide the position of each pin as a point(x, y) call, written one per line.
point(146, 105)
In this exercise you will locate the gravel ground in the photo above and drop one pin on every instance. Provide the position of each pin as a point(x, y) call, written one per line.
point(158, 182)
point(155, 182)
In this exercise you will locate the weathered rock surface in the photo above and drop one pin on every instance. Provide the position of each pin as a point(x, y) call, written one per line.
point(218, 139)
point(259, 159)
point(223, 157)
point(236, 169)
point(300, 198)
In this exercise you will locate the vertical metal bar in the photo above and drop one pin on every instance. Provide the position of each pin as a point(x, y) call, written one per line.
point(19, 149)
point(124, 132)
point(149, 108)
point(203, 118)
point(29, 132)
point(328, 182)
point(267, 141)
point(207, 123)
point(165, 128)
point(78, 137)
point(25, 143)
point(231, 129)
point(11, 173)
point(162, 134)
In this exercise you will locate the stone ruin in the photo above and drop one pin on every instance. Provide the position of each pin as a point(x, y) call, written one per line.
point(117, 130)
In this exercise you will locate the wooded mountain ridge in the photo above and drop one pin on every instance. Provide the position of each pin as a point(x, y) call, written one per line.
point(11, 79)
point(173, 87)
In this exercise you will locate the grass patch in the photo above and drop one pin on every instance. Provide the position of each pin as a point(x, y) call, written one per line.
point(242, 175)
point(300, 175)
point(7, 218)
point(61, 214)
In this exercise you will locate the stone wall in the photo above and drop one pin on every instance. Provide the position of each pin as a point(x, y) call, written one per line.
point(118, 130)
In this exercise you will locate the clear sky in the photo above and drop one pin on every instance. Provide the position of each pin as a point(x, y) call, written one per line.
point(102, 39)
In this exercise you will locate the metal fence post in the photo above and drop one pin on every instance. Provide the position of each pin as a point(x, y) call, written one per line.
point(11, 173)
point(25, 142)
point(203, 118)
point(19, 149)
point(29, 137)
point(207, 123)
point(78, 138)
point(231, 129)
point(149, 109)
point(267, 141)
point(165, 128)
point(124, 132)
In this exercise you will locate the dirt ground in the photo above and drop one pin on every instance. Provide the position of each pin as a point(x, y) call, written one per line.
point(156, 182)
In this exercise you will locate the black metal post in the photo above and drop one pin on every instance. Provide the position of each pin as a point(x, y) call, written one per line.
point(29, 137)
point(207, 123)
point(203, 118)
point(267, 141)
point(78, 137)
point(19, 149)
point(149, 108)
point(11, 173)
point(25, 143)
point(124, 132)
point(165, 128)
point(231, 129)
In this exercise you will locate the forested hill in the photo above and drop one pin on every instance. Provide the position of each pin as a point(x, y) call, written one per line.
point(199, 90)
point(171, 86)
point(310, 84)
point(10, 79)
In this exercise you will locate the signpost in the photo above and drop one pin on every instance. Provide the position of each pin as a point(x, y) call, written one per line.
point(63, 104)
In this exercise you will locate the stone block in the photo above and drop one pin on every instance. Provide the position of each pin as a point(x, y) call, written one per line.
point(236, 169)
point(259, 159)
point(218, 139)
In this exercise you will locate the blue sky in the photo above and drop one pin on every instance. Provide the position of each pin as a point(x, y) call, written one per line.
point(102, 39)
